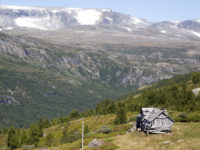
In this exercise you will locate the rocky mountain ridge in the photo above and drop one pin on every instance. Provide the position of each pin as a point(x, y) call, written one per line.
point(52, 70)
point(61, 18)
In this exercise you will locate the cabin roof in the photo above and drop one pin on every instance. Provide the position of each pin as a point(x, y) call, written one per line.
point(152, 113)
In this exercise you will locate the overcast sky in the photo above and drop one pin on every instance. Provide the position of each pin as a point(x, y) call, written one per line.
point(152, 10)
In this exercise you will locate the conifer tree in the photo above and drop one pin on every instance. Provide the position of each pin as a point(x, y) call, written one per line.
point(121, 114)
point(14, 139)
point(74, 114)
point(34, 134)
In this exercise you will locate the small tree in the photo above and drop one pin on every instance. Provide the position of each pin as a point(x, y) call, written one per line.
point(121, 114)
point(14, 139)
point(41, 125)
point(47, 123)
point(24, 137)
point(112, 108)
point(98, 109)
point(34, 134)
point(74, 114)
point(61, 119)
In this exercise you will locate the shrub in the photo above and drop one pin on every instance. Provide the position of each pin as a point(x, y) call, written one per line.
point(74, 114)
point(196, 78)
point(195, 116)
point(105, 130)
point(74, 136)
point(183, 117)
point(186, 117)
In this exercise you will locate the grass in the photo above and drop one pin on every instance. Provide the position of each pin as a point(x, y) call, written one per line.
point(3, 140)
point(184, 136)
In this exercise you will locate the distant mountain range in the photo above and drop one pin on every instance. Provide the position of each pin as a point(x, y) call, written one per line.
point(60, 18)
point(55, 60)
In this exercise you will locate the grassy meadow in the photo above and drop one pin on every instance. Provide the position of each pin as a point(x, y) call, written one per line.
point(184, 136)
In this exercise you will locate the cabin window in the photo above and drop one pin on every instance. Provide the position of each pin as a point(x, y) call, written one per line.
point(158, 122)
point(163, 122)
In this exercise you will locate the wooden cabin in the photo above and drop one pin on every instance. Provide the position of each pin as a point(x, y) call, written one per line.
point(154, 120)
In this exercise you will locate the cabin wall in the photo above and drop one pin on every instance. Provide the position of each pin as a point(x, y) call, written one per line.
point(162, 123)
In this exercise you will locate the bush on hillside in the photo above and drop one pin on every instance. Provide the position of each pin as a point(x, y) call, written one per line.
point(74, 114)
point(183, 117)
point(196, 78)
point(105, 130)
point(195, 116)
point(74, 136)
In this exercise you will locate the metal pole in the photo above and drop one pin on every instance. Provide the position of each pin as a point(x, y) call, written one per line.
point(82, 133)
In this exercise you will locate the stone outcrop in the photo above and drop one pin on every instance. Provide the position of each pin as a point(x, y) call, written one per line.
point(8, 100)
point(95, 143)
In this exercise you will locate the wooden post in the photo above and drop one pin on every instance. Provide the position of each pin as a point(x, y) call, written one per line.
point(82, 133)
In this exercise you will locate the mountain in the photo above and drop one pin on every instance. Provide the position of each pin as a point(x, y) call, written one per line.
point(59, 18)
point(52, 63)
point(190, 25)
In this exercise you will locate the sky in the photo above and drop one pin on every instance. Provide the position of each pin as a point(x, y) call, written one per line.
point(152, 10)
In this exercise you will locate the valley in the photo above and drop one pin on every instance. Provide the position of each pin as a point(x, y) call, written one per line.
point(53, 71)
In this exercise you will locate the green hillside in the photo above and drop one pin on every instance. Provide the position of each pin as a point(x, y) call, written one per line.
point(174, 94)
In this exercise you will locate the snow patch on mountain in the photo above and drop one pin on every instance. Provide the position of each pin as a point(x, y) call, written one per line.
point(108, 18)
point(9, 28)
point(88, 16)
point(163, 31)
point(56, 11)
point(128, 29)
point(196, 33)
point(60, 17)
point(137, 21)
point(29, 22)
